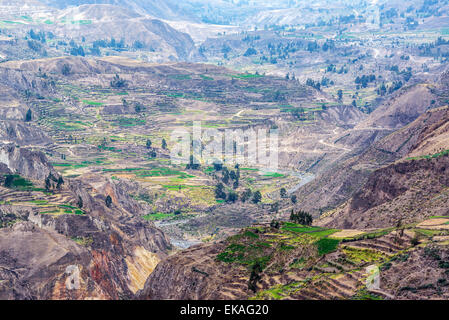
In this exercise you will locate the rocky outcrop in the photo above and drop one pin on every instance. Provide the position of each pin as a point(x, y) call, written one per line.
point(22, 133)
point(28, 163)
point(193, 274)
point(32, 258)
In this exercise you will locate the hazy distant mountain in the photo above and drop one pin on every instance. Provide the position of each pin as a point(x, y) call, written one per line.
point(208, 11)
point(163, 9)
point(110, 21)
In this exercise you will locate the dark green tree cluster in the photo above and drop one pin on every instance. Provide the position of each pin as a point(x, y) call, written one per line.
point(34, 45)
point(257, 197)
point(314, 84)
point(80, 203)
point(9, 179)
point(275, 207)
point(139, 107)
point(246, 195)
point(112, 43)
point(220, 191)
point(66, 69)
point(77, 51)
point(275, 224)
point(383, 89)
point(250, 52)
point(228, 176)
point(118, 82)
point(38, 36)
point(52, 183)
point(301, 217)
point(364, 80)
point(283, 193)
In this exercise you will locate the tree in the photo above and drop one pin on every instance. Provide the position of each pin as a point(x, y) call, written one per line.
point(34, 45)
point(283, 193)
point(257, 197)
point(77, 51)
point(219, 191)
point(250, 52)
point(164, 144)
point(218, 166)
point(225, 176)
point(108, 201)
point(340, 94)
point(139, 107)
point(275, 207)
point(275, 224)
point(9, 180)
point(232, 197)
point(28, 116)
point(233, 175)
point(66, 69)
point(148, 144)
point(59, 183)
point(246, 195)
point(117, 82)
point(301, 217)
point(47, 184)
point(256, 269)
point(152, 153)
point(294, 198)
point(80, 202)
point(138, 45)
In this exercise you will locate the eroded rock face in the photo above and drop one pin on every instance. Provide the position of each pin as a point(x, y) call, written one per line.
point(22, 133)
point(30, 164)
point(29, 255)
point(195, 274)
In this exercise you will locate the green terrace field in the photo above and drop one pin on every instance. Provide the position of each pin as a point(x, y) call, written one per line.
point(258, 244)
point(302, 259)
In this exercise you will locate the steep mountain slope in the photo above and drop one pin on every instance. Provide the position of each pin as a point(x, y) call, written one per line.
point(397, 222)
point(166, 9)
point(109, 21)
point(376, 141)
point(308, 263)
point(66, 241)
point(76, 30)
point(411, 189)
point(209, 11)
